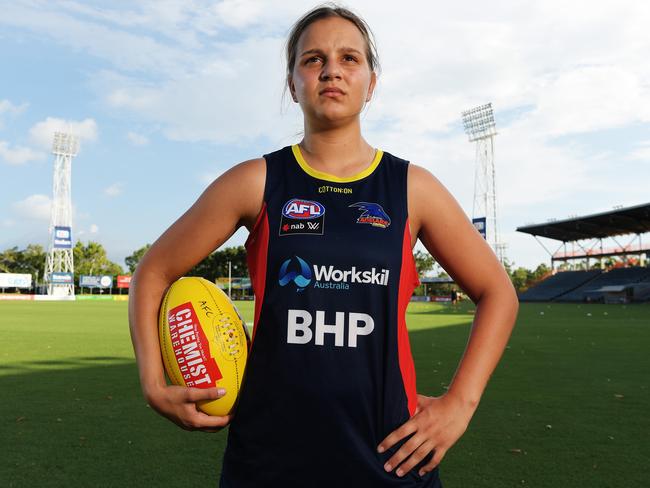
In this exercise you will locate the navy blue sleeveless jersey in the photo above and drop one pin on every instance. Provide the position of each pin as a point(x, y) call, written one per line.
point(330, 372)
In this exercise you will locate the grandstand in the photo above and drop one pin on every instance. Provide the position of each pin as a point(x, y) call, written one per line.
point(595, 284)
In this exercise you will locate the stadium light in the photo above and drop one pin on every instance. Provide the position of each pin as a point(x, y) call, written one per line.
point(481, 129)
point(65, 144)
point(479, 122)
point(59, 261)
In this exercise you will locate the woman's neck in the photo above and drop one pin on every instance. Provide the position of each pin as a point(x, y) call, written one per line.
point(340, 151)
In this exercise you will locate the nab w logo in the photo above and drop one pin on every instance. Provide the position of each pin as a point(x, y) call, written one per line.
point(301, 278)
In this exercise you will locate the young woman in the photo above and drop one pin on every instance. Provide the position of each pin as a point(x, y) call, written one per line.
point(329, 397)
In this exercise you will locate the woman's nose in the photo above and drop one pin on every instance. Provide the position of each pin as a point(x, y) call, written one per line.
point(330, 70)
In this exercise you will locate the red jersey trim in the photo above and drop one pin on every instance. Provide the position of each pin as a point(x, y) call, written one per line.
point(408, 280)
point(257, 245)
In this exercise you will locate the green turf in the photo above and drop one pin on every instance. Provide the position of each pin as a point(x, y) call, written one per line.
point(566, 407)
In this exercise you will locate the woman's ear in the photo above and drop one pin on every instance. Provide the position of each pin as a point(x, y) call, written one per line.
point(292, 88)
point(371, 88)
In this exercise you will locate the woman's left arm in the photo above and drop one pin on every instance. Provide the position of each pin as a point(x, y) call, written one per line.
point(453, 241)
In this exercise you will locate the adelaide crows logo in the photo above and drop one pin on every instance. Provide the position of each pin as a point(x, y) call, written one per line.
point(372, 214)
point(301, 279)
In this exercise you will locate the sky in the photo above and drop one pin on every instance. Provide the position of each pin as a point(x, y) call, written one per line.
point(165, 95)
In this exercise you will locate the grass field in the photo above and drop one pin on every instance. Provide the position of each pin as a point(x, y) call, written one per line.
point(568, 406)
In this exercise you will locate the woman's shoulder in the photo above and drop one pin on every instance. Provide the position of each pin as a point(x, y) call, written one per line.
point(245, 172)
point(415, 170)
point(423, 185)
point(253, 171)
point(280, 152)
point(426, 194)
point(242, 186)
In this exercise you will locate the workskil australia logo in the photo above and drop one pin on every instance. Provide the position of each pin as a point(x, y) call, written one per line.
point(328, 276)
point(300, 278)
point(373, 214)
point(301, 216)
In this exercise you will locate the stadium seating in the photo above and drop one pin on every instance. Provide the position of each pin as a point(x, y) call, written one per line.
point(558, 284)
point(641, 291)
point(592, 289)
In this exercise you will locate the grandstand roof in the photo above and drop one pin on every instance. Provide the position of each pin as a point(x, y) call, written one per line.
point(436, 279)
point(628, 220)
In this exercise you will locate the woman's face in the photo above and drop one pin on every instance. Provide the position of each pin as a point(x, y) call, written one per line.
point(331, 54)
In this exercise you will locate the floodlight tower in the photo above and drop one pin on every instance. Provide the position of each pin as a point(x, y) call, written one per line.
point(59, 266)
point(481, 128)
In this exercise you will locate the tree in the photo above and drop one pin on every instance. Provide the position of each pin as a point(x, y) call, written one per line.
point(31, 260)
point(423, 262)
point(211, 267)
point(216, 264)
point(523, 278)
point(520, 278)
point(508, 265)
point(8, 259)
point(540, 272)
point(91, 259)
point(133, 260)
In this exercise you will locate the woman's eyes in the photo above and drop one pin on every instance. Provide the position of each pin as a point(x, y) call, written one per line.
point(347, 57)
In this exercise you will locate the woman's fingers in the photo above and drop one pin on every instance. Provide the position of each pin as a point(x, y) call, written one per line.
point(203, 394)
point(179, 404)
point(418, 455)
point(205, 421)
point(199, 420)
point(435, 461)
point(192, 419)
point(407, 449)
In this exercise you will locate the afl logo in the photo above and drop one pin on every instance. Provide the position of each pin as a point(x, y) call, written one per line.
point(296, 208)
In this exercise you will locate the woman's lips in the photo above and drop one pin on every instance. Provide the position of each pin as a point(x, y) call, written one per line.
point(332, 92)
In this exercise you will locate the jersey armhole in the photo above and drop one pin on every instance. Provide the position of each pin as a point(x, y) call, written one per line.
point(262, 211)
point(416, 279)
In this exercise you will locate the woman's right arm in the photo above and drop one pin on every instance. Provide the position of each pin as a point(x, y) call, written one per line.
point(232, 200)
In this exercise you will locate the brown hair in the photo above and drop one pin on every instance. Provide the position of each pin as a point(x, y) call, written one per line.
point(325, 11)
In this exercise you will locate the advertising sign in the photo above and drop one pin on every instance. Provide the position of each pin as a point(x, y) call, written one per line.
point(91, 281)
point(235, 283)
point(62, 237)
point(59, 277)
point(123, 281)
point(15, 280)
point(479, 223)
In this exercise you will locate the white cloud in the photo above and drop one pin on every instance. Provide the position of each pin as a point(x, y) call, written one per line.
point(6, 107)
point(91, 229)
point(642, 153)
point(239, 13)
point(114, 190)
point(589, 98)
point(137, 139)
point(34, 207)
point(208, 177)
point(18, 154)
point(42, 133)
point(562, 60)
point(223, 101)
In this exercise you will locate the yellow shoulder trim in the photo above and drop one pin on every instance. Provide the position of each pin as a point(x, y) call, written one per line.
point(328, 177)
